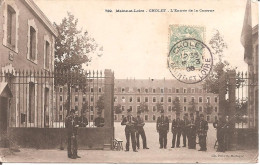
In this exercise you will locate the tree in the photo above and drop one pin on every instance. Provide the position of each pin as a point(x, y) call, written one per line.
point(72, 49)
point(176, 106)
point(85, 107)
point(192, 108)
point(159, 106)
point(118, 109)
point(143, 107)
point(208, 108)
point(100, 103)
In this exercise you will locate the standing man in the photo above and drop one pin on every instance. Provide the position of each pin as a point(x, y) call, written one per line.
point(83, 120)
point(192, 134)
point(162, 126)
point(220, 126)
point(72, 133)
point(176, 131)
point(140, 131)
point(202, 132)
point(184, 129)
point(130, 123)
point(99, 121)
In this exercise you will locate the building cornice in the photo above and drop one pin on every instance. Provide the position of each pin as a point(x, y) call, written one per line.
point(37, 11)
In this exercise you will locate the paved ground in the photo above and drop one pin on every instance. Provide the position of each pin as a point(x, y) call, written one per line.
point(153, 155)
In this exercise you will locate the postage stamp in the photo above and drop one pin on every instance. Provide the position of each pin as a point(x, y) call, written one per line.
point(189, 59)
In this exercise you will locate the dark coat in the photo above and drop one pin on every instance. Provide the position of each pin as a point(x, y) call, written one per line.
point(176, 125)
point(130, 123)
point(71, 125)
point(203, 128)
point(162, 124)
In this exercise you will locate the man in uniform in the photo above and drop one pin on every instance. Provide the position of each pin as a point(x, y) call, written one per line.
point(140, 131)
point(72, 132)
point(82, 120)
point(162, 126)
point(192, 134)
point(202, 132)
point(184, 129)
point(130, 123)
point(99, 121)
point(176, 131)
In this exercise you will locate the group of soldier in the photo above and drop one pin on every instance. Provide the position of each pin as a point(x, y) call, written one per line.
point(134, 128)
point(72, 122)
point(188, 129)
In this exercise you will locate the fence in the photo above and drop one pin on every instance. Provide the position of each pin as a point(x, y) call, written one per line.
point(42, 99)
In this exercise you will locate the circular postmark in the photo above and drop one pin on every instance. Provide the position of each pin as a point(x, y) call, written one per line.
point(190, 61)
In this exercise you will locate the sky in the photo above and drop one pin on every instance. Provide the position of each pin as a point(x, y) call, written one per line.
point(136, 44)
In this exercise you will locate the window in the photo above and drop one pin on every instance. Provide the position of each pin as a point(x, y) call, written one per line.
point(60, 118)
point(192, 90)
point(216, 99)
point(200, 99)
point(60, 98)
point(184, 99)
point(130, 99)
point(91, 108)
point(115, 99)
point(91, 117)
point(47, 54)
point(84, 98)
point(138, 99)
point(60, 89)
point(123, 108)
point(130, 107)
point(177, 91)
point(146, 99)
point(139, 90)
point(178, 98)
point(146, 90)
point(146, 117)
point(61, 107)
point(91, 90)
point(32, 50)
point(123, 116)
point(76, 108)
point(169, 108)
point(99, 89)
point(154, 99)
point(137, 107)
point(161, 99)
point(185, 90)
point(31, 100)
point(162, 90)
point(208, 99)
point(154, 117)
point(185, 108)
point(154, 91)
point(192, 99)
point(76, 98)
point(200, 108)
point(154, 108)
point(11, 28)
point(123, 90)
point(169, 99)
point(92, 99)
point(216, 109)
point(170, 90)
point(123, 99)
point(76, 89)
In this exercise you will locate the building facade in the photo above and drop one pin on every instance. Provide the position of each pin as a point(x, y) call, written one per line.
point(129, 93)
point(27, 41)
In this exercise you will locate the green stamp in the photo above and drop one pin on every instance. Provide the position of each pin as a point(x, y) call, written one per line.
point(189, 59)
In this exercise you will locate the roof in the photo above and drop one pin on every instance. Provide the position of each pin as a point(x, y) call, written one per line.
point(37, 11)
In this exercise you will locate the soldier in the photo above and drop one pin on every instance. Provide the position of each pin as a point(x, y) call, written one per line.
point(72, 132)
point(192, 134)
point(99, 121)
point(176, 131)
point(202, 132)
point(82, 120)
point(220, 134)
point(140, 131)
point(184, 129)
point(130, 123)
point(162, 126)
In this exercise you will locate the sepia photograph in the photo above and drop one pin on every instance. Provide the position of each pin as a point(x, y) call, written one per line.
point(129, 82)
